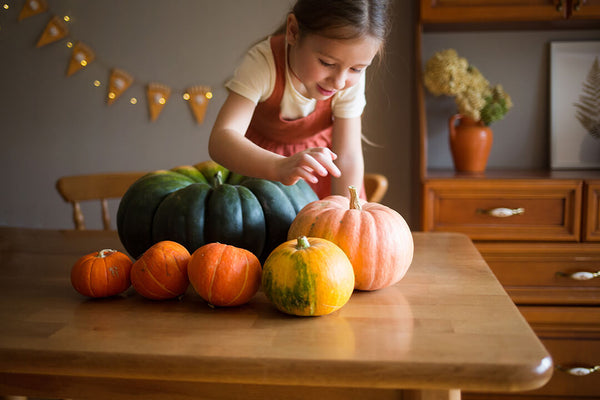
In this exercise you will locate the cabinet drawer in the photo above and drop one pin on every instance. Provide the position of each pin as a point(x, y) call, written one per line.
point(572, 337)
point(591, 218)
point(543, 273)
point(538, 209)
point(569, 354)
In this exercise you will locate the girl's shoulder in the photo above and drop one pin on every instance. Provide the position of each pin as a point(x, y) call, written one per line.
point(254, 78)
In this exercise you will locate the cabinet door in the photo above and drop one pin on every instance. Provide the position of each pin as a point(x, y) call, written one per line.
point(437, 11)
point(584, 9)
point(591, 217)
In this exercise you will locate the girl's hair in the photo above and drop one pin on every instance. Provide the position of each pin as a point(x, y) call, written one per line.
point(342, 19)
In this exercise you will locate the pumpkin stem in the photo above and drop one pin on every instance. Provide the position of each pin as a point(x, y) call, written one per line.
point(354, 200)
point(218, 178)
point(105, 252)
point(302, 243)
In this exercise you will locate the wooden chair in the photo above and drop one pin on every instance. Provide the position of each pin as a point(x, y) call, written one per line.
point(77, 188)
point(376, 185)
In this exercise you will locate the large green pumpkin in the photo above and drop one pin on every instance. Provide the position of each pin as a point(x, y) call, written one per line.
point(205, 203)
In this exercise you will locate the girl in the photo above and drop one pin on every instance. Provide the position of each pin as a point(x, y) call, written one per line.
point(295, 103)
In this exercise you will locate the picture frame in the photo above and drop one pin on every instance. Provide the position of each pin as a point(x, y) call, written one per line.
point(574, 105)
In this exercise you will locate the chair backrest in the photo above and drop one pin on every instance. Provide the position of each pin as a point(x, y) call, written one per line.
point(77, 188)
point(376, 186)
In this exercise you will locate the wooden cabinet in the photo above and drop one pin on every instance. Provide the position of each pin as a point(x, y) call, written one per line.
point(464, 11)
point(539, 231)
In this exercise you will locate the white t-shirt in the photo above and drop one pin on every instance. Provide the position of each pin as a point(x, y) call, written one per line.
point(254, 79)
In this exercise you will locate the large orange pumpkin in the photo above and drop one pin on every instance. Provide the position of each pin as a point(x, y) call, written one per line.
point(161, 272)
point(224, 275)
point(376, 239)
point(101, 274)
point(308, 277)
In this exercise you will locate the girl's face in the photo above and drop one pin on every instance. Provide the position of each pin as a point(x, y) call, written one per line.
point(322, 66)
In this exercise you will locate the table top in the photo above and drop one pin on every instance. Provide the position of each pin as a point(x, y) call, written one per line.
point(447, 324)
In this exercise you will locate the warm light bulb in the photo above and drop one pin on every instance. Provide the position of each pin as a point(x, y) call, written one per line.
point(97, 83)
point(162, 100)
point(186, 96)
point(67, 18)
point(5, 6)
point(208, 95)
point(133, 100)
point(111, 95)
point(83, 63)
point(69, 44)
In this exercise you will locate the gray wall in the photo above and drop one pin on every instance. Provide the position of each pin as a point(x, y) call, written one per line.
point(52, 125)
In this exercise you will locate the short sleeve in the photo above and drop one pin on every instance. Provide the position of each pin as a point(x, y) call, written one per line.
point(350, 103)
point(254, 78)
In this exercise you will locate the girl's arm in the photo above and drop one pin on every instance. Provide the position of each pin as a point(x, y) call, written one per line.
point(228, 146)
point(347, 144)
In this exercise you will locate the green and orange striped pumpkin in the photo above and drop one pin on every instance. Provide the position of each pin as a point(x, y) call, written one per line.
point(308, 277)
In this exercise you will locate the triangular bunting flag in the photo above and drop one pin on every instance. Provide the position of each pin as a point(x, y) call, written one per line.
point(158, 95)
point(81, 57)
point(198, 97)
point(32, 7)
point(119, 82)
point(55, 30)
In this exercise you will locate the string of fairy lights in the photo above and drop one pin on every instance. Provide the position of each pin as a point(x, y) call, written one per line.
point(119, 80)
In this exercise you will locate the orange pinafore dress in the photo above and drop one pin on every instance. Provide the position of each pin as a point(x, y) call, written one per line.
point(287, 137)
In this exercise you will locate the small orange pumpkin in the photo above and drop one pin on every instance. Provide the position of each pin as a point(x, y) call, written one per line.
point(161, 272)
point(101, 274)
point(308, 277)
point(224, 275)
point(376, 239)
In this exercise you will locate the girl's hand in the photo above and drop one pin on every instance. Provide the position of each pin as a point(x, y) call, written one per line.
point(307, 165)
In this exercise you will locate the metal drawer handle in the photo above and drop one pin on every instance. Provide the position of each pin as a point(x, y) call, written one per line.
point(501, 212)
point(579, 371)
point(580, 275)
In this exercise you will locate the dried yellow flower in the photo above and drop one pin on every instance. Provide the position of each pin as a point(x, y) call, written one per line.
point(448, 74)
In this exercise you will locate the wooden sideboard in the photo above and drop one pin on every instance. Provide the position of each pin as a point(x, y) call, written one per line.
point(539, 231)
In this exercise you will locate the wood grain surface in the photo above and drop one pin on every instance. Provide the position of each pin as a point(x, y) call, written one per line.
point(447, 325)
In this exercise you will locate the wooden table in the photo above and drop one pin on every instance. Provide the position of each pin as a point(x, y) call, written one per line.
point(448, 325)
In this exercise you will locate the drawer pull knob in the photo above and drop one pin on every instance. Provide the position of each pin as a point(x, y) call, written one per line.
point(501, 212)
point(579, 371)
point(581, 275)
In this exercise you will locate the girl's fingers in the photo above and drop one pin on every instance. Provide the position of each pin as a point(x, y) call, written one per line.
point(321, 161)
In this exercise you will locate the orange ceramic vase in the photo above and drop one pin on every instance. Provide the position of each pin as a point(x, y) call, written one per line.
point(470, 144)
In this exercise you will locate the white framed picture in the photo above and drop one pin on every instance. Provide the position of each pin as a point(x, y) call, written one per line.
point(575, 105)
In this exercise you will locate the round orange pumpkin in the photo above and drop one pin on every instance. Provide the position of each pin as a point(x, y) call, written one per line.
point(101, 274)
point(308, 277)
point(161, 272)
point(376, 239)
point(224, 275)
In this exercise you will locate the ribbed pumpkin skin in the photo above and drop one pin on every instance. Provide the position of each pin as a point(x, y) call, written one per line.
point(310, 281)
point(161, 272)
point(101, 274)
point(189, 206)
point(224, 275)
point(376, 239)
